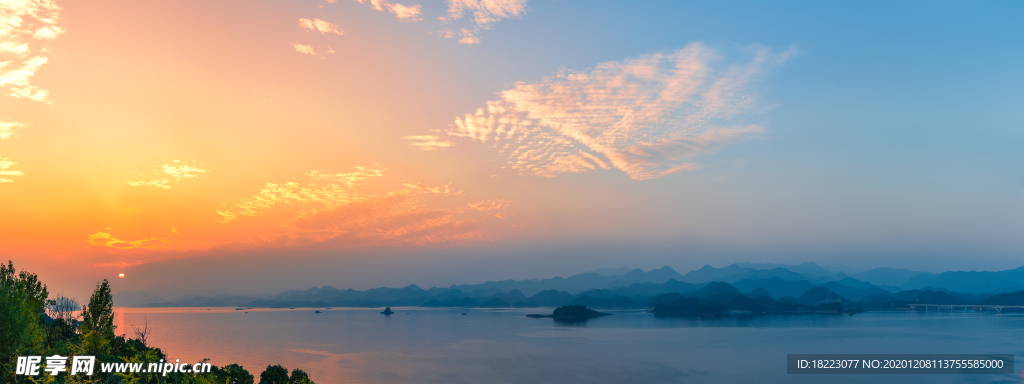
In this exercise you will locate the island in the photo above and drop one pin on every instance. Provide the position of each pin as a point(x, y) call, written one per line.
point(387, 311)
point(572, 313)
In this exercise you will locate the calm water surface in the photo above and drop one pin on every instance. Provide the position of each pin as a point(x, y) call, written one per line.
point(418, 345)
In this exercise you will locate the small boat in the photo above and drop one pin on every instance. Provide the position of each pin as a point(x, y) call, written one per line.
point(387, 311)
point(317, 312)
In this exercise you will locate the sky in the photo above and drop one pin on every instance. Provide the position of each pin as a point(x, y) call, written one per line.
point(261, 146)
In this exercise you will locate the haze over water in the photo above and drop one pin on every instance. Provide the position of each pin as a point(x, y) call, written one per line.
point(417, 345)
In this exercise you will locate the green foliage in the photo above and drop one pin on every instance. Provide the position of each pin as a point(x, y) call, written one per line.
point(98, 320)
point(98, 316)
point(232, 374)
point(274, 374)
point(22, 299)
point(25, 330)
point(300, 377)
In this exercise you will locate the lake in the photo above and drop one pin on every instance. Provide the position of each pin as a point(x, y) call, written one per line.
point(424, 345)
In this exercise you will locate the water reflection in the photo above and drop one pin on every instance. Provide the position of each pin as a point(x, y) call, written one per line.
point(344, 345)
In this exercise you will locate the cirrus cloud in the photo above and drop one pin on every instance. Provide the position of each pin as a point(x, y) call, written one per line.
point(327, 211)
point(5, 170)
point(401, 11)
point(175, 170)
point(485, 13)
point(321, 26)
point(26, 28)
point(648, 116)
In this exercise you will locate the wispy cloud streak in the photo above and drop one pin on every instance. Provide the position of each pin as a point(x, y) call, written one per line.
point(327, 211)
point(5, 170)
point(175, 170)
point(26, 28)
point(321, 26)
point(428, 142)
point(485, 13)
point(648, 116)
point(8, 129)
point(401, 11)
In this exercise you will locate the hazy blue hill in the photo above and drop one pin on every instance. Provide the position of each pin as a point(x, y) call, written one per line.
point(453, 301)
point(578, 283)
point(708, 273)
point(660, 275)
point(854, 283)
point(663, 298)
point(776, 286)
point(765, 302)
point(599, 293)
point(743, 303)
point(495, 303)
point(611, 271)
point(819, 295)
point(653, 289)
point(880, 298)
point(1008, 298)
point(551, 298)
point(635, 288)
point(921, 280)
point(972, 281)
point(760, 292)
point(137, 299)
point(853, 293)
point(511, 297)
point(805, 268)
point(716, 292)
point(611, 302)
point(781, 273)
point(886, 276)
point(927, 297)
point(480, 293)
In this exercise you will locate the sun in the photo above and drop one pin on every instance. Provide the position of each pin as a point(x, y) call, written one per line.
point(120, 276)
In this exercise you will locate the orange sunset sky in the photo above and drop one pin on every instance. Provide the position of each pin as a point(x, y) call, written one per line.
point(346, 141)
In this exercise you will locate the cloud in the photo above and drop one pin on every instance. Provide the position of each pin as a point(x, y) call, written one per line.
point(165, 184)
point(7, 129)
point(485, 13)
point(26, 28)
point(182, 171)
point(327, 191)
point(107, 240)
point(328, 211)
point(309, 50)
point(401, 216)
point(490, 205)
point(5, 170)
point(648, 116)
point(176, 170)
point(428, 142)
point(401, 12)
point(320, 25)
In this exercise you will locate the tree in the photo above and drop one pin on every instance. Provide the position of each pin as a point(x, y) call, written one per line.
point(300, 377)
point(22, 299)
point(274, 374)
point(98, 319)
point(62, 311)
point(232, 374)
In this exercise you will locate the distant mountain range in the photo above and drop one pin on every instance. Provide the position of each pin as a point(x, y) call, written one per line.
point(806, 283)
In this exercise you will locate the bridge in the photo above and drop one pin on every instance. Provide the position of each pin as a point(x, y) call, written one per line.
point(977, 307)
